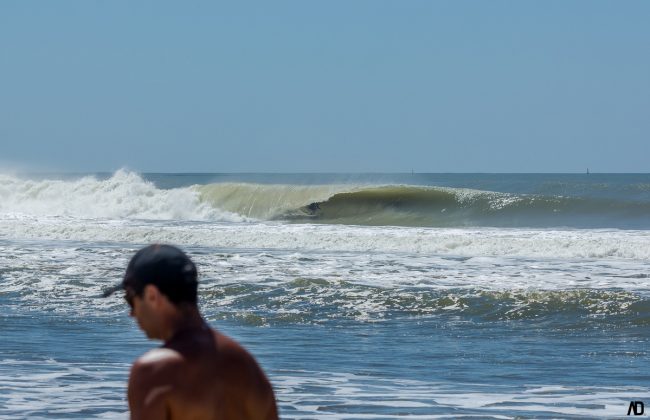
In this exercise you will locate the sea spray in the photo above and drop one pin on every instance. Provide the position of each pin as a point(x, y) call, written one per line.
point(125, 195)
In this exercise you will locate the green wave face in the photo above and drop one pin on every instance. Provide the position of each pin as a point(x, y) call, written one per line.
point(264, 202)
point(406, 206)
point(403, 205)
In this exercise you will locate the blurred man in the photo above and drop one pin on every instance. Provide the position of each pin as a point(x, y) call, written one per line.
point(197, 373)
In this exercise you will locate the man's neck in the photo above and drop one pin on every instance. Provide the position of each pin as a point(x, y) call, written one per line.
point(186, 319)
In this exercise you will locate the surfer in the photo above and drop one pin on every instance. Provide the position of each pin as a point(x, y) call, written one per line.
point(313, 208)
point(198, 372)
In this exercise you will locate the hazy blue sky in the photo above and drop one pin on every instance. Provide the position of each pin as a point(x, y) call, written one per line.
point(332, 86)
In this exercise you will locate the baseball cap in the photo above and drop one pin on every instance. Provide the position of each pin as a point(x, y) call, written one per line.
point(166, 267)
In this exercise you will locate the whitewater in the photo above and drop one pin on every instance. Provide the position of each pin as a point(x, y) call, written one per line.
point(363, 296)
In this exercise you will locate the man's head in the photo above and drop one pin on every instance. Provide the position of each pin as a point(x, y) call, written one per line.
point(167, 268)
point(160, 285)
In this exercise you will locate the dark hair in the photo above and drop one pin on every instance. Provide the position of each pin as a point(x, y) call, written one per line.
point(166, 267)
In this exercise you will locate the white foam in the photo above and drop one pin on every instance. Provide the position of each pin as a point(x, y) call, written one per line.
point(52, 388)
point(362, 397)
point(67, 277)
point(49, 388)
point(123, 195)
point(587, 244)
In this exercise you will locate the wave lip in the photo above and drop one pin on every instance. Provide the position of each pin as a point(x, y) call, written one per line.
point(266, 202)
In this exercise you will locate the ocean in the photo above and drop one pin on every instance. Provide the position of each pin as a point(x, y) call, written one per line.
point(363, 296)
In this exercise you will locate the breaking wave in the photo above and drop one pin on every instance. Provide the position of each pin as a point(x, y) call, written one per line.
point(448, 207)
point(126, 195)
point(425, 206)
point(405, 205)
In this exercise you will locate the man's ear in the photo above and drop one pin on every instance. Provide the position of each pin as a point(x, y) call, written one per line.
point(151, 293)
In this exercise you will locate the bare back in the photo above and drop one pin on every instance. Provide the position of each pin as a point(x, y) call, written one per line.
point(200, 374)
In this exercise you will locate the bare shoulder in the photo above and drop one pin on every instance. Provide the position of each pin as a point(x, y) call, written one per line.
point(235, 356)
point(207, 375)
point(228, 345)
point(160, 355)
point(149, 382)
point(156, 363)
point(247, 383)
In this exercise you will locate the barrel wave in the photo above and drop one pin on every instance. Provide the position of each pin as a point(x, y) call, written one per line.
point(127, 195)
point(406, 205)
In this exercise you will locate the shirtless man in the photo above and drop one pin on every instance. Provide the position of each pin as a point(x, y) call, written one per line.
point(198, 373)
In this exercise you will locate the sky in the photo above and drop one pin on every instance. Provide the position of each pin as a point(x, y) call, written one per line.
point(325, 86)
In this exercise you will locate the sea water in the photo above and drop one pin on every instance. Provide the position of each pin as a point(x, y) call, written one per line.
point(374, 296)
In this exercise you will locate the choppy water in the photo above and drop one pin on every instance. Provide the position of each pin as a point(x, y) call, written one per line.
point(531, 300)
